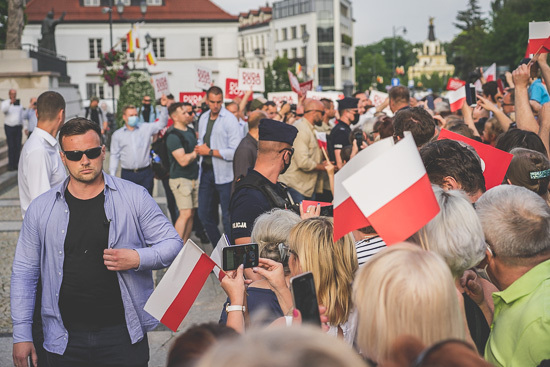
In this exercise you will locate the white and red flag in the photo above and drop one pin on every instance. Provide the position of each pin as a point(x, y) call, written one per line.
point(321, 139)
point(180, 286)
point(490, 74)
point(217, 256)
point(455, 83)
point(457, 98)
point(385, 186)
point(539, 38)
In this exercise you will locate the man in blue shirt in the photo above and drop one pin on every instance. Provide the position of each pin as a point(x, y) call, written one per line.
point(131, 144)
point(219, 136)
point(93, 242)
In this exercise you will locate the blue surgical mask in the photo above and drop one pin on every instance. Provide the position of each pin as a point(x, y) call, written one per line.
point(133, 121)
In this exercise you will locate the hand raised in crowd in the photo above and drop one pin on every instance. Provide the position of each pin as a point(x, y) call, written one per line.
point(311, 211)
point(487, 104)
point(441, 122)
point(297, 318)
point(234, 286)
point(164, 100)
point(509, 79)
point(521, 76)
point(273, 271)
point(120, 259)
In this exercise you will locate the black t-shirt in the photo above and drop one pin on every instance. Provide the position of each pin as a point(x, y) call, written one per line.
point(247, 204)
point(90, 294)
point(339, 138)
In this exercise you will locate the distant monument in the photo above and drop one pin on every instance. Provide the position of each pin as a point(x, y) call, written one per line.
point(15, 25)
point(48, 31)
point(431, 58)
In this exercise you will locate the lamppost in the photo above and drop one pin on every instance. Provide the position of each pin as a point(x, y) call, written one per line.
point(395, 30)
point(110, 11)
point(143, 8)
point(305, 40)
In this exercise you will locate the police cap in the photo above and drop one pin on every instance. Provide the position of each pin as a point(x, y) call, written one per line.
point(347, 102)
point(273, 130)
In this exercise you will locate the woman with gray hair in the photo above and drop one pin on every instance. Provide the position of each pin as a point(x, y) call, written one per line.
point(457, 236)
point(270, 232)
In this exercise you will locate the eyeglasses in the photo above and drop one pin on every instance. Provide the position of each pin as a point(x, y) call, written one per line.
point(321, 112)
point(426, 353)
point(76, 155)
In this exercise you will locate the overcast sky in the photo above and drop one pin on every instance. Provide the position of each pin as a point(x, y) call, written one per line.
point(374, 18)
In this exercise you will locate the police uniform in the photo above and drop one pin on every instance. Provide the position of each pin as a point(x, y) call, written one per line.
point(255, 194)
point(340, 134)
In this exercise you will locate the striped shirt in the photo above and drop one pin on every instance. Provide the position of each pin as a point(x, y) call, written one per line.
point(368, 247)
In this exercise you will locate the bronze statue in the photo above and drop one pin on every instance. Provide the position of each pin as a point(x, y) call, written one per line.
point(48, 31)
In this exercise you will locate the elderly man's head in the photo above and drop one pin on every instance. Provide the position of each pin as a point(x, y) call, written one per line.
point(516, 223)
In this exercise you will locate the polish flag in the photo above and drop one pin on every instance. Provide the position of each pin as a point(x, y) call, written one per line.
point(321, 139)
point(180, 286)
point(385, 186)
point(457, 98)
point(455, 83)
point(539, 38)
point(217, 254)
point(491, 73)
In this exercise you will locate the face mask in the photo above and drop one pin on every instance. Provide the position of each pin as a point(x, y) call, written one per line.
point(286, 164)
point(355, 119)
point(133, 121)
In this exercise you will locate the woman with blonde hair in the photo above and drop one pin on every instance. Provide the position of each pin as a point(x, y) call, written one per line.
point(404, 290)
point(333, 265)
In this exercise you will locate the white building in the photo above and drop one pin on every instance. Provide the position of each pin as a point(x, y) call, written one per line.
point(255, 38)
point(184, 33)
point(327, 49)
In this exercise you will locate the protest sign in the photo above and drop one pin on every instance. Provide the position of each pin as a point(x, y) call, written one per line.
point(378, 97)
point(160, 83)
point(251, 78)
point(203, 77)
point(279, 97)
point(539, 38)
point(232, 90)
point(306, 87)
point(294, 83)
point(194, 98)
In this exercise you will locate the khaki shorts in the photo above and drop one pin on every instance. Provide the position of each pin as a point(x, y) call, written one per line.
point(186, 192)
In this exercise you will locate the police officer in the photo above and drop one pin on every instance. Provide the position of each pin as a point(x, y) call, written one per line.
point(340, 134)
point(259, 191)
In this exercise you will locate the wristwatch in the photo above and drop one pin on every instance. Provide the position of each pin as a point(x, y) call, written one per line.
point(229, 308)
point(211, 152)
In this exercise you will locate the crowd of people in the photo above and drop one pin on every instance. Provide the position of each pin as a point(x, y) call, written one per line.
point(470, 288)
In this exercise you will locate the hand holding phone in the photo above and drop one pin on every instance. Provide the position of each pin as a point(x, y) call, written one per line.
point(471, 96)
point(233, 256)
point(305, 298)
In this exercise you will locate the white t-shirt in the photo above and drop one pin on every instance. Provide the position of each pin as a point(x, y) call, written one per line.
point(40, 167)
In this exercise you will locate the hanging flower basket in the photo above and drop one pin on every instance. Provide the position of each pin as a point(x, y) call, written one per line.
point(113, 66)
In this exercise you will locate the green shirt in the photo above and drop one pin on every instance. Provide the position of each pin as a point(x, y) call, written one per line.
point(207, 160)
point(520, 334)
point(173, 142)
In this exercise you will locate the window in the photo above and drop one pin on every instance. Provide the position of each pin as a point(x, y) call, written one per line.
point(206, 47)
point(95, 47)
point(343, 10)
point(154, 2)
point(303, 29)
point(94, 90)
point(293, 33)
point(125, 2)
point(123, 44)
point(293, 53)
point(326, 77)
point(325, 34)
point(284, 35)
point(158, 47)
point(91, 2)
point(326, 54)
point(285, 53)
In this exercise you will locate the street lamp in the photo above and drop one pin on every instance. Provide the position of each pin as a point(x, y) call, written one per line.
point(395, 30)
point(109, 10)
point(305, 40)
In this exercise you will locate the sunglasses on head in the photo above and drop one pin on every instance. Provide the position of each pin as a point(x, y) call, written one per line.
point(76, 155)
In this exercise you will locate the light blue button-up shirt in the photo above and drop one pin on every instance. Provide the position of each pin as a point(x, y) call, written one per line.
point(226, 136)
point(136, 222)
point(132, 147)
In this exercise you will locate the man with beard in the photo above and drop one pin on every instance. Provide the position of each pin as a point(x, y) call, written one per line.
point(339, 136)
point(303, 173)
point(259, 191)
point(147, 113)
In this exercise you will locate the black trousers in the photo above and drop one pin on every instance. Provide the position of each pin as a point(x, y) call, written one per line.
point(14, 135)
point(105, 347)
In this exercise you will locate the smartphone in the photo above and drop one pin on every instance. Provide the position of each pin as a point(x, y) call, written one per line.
point(471, 96)
point(233, 256)
point(17, 102)
point(305, 298)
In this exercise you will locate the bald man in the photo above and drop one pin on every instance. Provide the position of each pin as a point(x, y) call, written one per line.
point(307, 162)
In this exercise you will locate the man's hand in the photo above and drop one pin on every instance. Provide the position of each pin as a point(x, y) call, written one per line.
point(120, 259)
point(202, 149)
point(485, 103)
point(521, 76)
point(164, 100)
point(21, 353)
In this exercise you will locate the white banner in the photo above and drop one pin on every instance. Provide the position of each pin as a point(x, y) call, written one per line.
point(378, 97)
point(333, 96)
point(279, 97)
point(160, 83)
point(251, 78)
point(203, 77)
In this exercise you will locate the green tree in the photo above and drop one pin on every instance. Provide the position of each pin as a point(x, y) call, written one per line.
point(132, 92)
point(3, 22)
point(276, 75)
point(435, 82)
point(466, 51)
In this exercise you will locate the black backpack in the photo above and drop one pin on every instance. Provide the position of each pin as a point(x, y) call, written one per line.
point(160, 156)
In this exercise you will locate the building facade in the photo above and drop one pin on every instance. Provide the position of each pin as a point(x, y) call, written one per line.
point(431, 58)
point(183, 33)
point(255, 38)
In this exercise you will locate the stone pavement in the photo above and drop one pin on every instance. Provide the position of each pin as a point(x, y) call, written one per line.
point(206, 308)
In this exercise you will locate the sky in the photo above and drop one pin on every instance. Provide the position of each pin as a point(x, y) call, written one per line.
point(374, 19)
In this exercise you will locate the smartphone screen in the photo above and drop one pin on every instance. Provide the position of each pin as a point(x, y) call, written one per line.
point(471, 97)
point(305, 298)
point(233, 256)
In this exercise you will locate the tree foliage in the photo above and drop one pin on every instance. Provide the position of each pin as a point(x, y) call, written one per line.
point(132, 92)
point(276, 75)
point(3, 22)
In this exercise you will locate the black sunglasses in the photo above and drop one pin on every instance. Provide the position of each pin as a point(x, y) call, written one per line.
point(322, 112)
point(76, 155)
